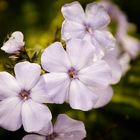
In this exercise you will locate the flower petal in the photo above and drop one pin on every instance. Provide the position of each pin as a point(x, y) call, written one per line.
point(39, 93)
point(27, 74)
point(10, 113)
point(18, 36)
point(73, 12)
point(35, 116)
point(80, 53)
point(55, 59)
point(97, 75)
point(8, 85)
point(57, 86)
point(115, 67)
point(72, 29)
point(69, 129)
point(105, 39)
point(80, 97)
point(105, 96)
point(97, 17)
point(34, 137)
point(14, 44)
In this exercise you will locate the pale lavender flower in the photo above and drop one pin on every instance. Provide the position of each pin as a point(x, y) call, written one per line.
point(74, 77)
point(128, 47)
point(90, 25)
point(14, 43)
point(21, 97)
point(64, 128)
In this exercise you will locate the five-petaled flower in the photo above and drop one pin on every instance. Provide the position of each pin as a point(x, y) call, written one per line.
point(14, 43)
point(74, 77)
point(90, 25)
point(65, 128)
point(21, 99)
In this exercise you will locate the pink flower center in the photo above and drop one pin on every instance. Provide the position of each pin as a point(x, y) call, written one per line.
point(24, 95)
point(72, 73)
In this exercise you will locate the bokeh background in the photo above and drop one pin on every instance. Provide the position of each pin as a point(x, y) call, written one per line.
point(40, 21)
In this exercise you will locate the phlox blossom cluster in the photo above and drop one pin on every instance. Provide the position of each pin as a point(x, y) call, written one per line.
point(80, 75)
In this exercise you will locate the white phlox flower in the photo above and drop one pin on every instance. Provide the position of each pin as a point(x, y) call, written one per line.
point(74, 78)
point(14, 43)
point(21, 99)
point(89, 25)
point(64, 128)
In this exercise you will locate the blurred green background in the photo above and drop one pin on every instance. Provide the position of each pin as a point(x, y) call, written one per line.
point(40, 21)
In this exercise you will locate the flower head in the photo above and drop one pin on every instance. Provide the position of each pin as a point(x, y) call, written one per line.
point(89, 25)
point(21, 97)
point(14, 43)
point(65, 128)
point(74, 77)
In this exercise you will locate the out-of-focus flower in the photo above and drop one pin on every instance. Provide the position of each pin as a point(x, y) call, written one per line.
point(65, 128)
point(21, 99)
point(89, 25)
point(74, 77)
point(14, 43)
point(128, 46)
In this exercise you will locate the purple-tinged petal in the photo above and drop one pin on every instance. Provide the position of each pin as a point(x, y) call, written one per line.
point(71, 30)
point(98, 75)
point(81, 97)
point(57, 87)
point(69, 129)
point(14, 44)
point(8, 85)
point(97, 17)
point(105, 39)
point(34, 137)
point(10, 113)
point(27, 74)
point(55, 59)
point(35, 117)
point(115, 66)
point(73, 12)
point(105, 97)
point(80, 53)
